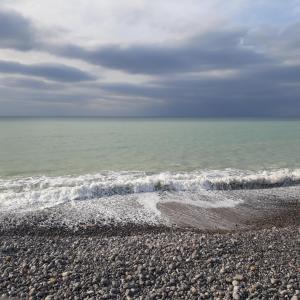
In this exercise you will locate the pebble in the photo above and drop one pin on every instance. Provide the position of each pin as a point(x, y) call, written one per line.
point(151, 265)
point(238, 277)
point(274, 280)
point(235, 283)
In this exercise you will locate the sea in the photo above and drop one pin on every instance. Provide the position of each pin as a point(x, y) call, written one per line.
point(118, 169)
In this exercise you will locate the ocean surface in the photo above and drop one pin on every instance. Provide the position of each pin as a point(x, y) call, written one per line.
point(84, 146)
point(96, 167)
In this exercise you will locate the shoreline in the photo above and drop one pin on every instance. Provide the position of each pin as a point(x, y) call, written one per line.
point(251, 214)
point(249, 251)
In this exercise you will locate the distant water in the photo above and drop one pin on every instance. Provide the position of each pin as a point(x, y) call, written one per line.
point(49, 162)
point(83, 146)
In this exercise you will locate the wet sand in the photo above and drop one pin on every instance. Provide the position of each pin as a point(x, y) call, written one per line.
point(251, 214)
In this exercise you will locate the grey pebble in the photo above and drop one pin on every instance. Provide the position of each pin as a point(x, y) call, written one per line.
point(177, 264)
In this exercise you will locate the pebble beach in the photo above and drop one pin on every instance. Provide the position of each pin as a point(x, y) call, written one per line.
point(152, 263)
point(250, 251)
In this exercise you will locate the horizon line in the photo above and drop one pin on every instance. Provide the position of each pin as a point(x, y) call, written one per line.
point(155, 117)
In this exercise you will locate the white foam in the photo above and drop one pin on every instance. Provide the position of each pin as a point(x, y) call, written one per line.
point(115, 209)
point(204, 199)
point(37, 193)
point(149, 201)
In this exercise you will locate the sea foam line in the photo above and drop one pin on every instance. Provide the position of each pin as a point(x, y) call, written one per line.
point(62, 189)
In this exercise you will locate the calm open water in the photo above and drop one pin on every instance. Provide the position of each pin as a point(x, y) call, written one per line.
point(57, 146)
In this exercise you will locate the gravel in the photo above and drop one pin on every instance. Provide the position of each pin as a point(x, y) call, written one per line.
point(151, 264)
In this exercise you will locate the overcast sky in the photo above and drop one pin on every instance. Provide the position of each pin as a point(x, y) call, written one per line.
point(208, 58)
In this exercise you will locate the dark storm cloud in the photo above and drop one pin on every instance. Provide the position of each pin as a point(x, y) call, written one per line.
point(220, 50)
point(56, 72)
point(279, 73)
point(268, 92)
point(16, 32)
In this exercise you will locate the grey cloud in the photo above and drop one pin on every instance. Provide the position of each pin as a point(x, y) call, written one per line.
point(16, 32)
point(28, 83)
point(81, 102)
point(265, 85)
point(220, 50)
point(279, 73)
point(56, 72)
point(280, 42)
point(247, 95)
point(254, 93)
point(38, 102)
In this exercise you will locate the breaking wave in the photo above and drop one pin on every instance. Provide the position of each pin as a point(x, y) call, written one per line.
point(72, 188)
point(130, 197)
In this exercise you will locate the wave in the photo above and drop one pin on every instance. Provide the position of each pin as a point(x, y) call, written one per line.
point(131, 197)
point(259, 180)
point(91, 186)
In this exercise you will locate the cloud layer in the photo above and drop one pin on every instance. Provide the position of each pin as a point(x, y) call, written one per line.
point(214, 50)
point(16, 31)
point(214, 67)
point(56, 72)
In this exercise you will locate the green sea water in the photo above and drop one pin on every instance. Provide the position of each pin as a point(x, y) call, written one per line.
point(62, 146)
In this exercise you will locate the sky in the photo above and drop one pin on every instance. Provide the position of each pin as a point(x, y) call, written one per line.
point(192, 58)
